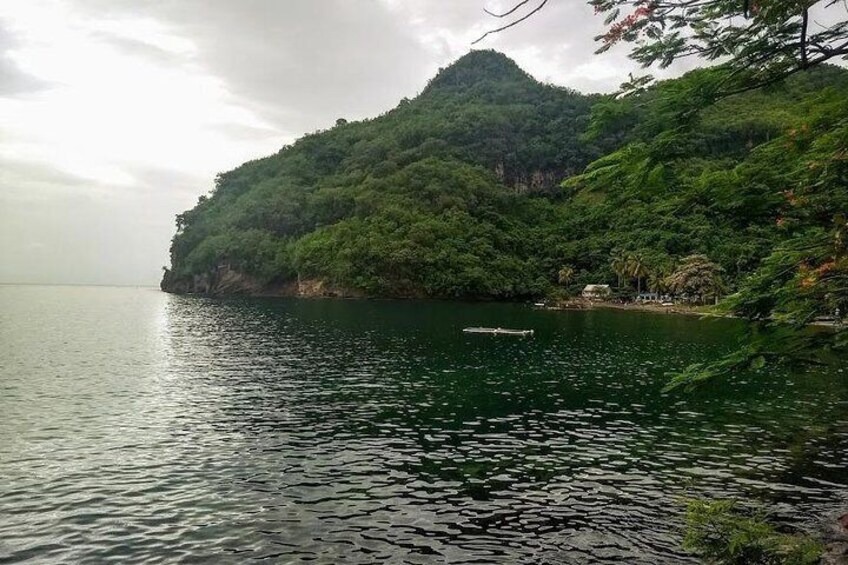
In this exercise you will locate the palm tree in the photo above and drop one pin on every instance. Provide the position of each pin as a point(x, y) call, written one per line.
point(636, 268)
point(566, 275)
point(619, 266)
point(658, 282)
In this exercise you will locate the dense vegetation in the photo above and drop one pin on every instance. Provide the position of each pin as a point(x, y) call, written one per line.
point(721, 532)
point(446, 195)
point(459, 192)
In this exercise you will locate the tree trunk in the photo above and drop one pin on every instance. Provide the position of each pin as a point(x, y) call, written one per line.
point(805, 16)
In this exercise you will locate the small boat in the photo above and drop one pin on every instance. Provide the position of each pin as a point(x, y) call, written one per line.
point(497, 331)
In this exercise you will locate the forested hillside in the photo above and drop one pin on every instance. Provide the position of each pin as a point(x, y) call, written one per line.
point(489, 184)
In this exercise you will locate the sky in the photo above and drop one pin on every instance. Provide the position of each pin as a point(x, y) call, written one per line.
point(116, 115)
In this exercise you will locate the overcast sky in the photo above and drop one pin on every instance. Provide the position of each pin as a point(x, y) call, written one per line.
point(115, 115)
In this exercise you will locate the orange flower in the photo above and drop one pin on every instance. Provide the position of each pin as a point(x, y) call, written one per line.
point(617, 30)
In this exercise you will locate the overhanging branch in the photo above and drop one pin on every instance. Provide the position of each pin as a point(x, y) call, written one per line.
point(513, 23)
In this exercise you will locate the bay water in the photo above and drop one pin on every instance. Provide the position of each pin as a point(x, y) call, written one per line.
point(137, 426)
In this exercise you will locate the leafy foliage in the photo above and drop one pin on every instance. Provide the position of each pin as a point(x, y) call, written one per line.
point(757, 42)
point(804, 276)
point(720, 532)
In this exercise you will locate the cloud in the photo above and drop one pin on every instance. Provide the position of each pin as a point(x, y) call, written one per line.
point(298, 64)
point(13, 80)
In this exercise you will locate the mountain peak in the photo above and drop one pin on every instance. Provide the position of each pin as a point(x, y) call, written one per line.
point(476, 67)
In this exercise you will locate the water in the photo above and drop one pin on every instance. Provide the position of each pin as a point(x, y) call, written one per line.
point(137, 426)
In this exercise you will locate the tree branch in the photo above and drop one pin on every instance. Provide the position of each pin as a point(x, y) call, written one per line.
point(509, 25)
point(505, 14)
point(805, 16)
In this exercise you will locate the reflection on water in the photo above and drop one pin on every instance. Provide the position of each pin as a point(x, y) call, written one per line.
point(141, 426)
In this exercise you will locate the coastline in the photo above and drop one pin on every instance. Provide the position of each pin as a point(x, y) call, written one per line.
point(682, 309)
point(229, 282)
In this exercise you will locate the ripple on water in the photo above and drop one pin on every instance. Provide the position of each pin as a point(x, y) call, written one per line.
point(144, 427)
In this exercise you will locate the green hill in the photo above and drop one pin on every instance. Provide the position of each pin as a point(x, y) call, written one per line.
point(459, 192)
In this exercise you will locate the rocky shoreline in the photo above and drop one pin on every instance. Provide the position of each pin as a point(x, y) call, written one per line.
point(225, 281)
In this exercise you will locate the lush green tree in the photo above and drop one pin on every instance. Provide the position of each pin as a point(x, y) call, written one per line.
point(804, 275)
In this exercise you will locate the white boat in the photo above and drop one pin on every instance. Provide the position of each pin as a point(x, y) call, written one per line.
point(497, 331)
